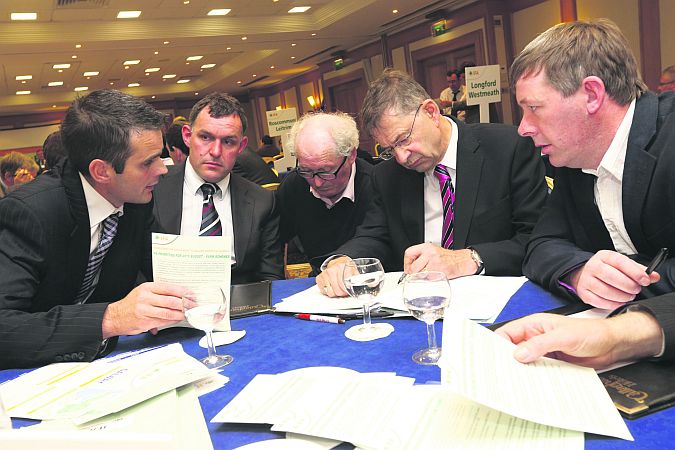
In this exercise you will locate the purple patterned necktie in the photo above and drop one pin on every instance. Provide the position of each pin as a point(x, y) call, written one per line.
point(211, 225)
point(108, 232)
point(448, 199)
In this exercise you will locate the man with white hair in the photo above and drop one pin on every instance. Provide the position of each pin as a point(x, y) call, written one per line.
point(327, 196)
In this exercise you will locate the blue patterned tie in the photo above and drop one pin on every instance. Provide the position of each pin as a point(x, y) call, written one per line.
point(211, 225)
point(108, 232)
point(448, 199)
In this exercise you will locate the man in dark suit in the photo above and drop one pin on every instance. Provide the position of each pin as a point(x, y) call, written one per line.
point(475, 216)
point(58, 301)
point(252, 167)
point(613, 146)
point(243, 210)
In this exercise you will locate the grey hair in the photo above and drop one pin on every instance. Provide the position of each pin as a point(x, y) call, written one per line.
point(394, 91)
point(341, 126)
point(569, 52)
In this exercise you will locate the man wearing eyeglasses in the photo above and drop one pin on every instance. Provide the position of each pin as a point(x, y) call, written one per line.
point(462, 199)
point(327, 196)
point(202, 196)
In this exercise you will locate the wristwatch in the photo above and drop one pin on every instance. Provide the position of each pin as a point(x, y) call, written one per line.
point(477, 259)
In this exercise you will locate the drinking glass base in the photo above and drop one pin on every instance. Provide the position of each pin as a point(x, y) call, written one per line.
point(370, 332)
point(427, 356)
point(217, 361)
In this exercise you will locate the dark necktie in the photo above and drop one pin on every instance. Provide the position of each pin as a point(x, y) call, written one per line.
point(448, 199)
point(211, 225)
point(454, 96)
point(108, 232)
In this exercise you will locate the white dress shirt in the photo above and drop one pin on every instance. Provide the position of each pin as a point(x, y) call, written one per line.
point(99, 209)
point(433, 204)
point(607, 189)
point(347, 193)
point(193, 199)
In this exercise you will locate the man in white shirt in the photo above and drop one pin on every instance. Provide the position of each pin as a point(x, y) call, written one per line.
point(202, 196)
point(613, 205)
point(455, 92)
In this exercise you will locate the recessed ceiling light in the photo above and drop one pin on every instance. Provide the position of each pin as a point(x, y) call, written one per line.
point(196, 93)
point(298, 9)
point(183, 80)
point(156, 53)
point(185, 2)
point(23, 81)
point(152, 69)
point(154, 96)
point(55, 83)
point(169, 75)
point(208, 66)
point(128, 14)
point(126, 67)
point(243, 38)
point(134, 84)
point(81, 88)
point(395, 11)
point(166, 42)
point(24, 16)
point(74, 56)
point(61, 66)
point(239, 82)
point(218, 12)
point(22, 92)
point(292, 57)
point(313, 34)
point(293, 44)
point(193, 58)
point(60, 70)
point(90, 74)
point(254, 75)
point(228, 48)
point(111, 83)
point(131, 62)
point(78, 45)
point(24, 77)
point(271, 67)
point(53, 106)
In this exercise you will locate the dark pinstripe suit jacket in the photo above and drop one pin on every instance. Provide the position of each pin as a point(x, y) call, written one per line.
point(44, 248)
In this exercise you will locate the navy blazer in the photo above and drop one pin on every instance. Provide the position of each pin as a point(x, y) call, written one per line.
point(44, 249)
point(257, 247)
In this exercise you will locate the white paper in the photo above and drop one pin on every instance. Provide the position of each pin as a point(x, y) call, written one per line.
point(192, 262)
point(83, 392)
point(479, 365)
point(223, 338)
point(482, 298)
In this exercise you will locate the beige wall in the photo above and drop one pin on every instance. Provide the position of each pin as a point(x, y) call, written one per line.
point(527, 23)
point(623, 12)
point(25, 137)
point(291, 98)
point(306, 90)
point(667, 13)
point(398, 59)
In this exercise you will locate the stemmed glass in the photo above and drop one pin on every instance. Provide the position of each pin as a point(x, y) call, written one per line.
point(204, 308)
point(363, 278)
point(426, 295)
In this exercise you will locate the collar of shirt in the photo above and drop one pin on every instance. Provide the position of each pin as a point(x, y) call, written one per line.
point(193, 182)
point(449, 159)
point(613, 161)
point(99, 209)
point(347, 193)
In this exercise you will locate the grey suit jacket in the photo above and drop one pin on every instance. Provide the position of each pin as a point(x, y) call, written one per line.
point(255, 217)
point(499, 196)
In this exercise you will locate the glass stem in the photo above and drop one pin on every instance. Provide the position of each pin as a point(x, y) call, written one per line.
point(366, 315)
point(210, 346)
point(431, 335)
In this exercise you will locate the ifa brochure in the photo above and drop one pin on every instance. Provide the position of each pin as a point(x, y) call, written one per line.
point(192, 262)
point(482, 401)
point(479, 298)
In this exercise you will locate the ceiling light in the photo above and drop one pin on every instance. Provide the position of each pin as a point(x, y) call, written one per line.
point(313, 34)
point(61, 66)
point(53, 106)
point(293, 45)
point(134, 84)
point(254, 75)
point(111, 83)
point(395, 11)
point(24, 77)
point(24, 16)
point(60, 70)
point(239, 82)
point(152, 69)
point(183, 80)
point(78, 45)
point(228, 48)
point(243, 38)
point(193, 58)
point(298, 9)
point(271, 67)
point(90, 74)
point(128, 14)
point(22, 92)
point(185, 2)
point(166, 42)
point(156, 53)
point(154, 96)
point(81, 88)
point(218, 12)
point(55, 83)
point(74, 56)
point(131, 62)
point(196, 93)
point(208, 66)
point(169, 75)
point(292, 57)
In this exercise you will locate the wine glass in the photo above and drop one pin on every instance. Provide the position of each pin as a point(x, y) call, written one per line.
point(204, 308)
point(426, 295)
point(363, 278)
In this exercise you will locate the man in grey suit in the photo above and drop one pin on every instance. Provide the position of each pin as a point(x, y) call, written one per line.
point(73, 241)
point(203, 197)
point(462, 199)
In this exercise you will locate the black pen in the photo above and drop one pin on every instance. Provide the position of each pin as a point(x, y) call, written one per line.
point(658, 259)
point(400, 280)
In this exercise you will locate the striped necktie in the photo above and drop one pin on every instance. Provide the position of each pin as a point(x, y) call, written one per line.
point(108, 232)
point(211, 225)
point(448, 199)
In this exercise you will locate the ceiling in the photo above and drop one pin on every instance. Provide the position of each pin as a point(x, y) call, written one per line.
point(278, 45)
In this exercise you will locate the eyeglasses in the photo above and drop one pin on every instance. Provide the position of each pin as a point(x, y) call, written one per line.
point(308, 174)
point(388, 152)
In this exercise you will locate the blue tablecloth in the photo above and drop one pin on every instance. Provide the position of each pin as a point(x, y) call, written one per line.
point(277, 343)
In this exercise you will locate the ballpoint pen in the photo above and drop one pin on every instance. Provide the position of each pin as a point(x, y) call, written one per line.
point(317, 318)
point(658, 259)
